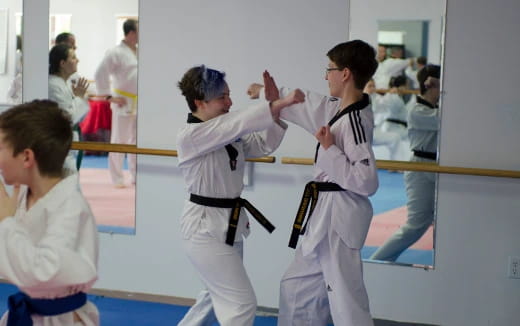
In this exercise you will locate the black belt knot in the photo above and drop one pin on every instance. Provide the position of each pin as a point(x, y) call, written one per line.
point(310, 196)
point(428, 155)
point(236, 205)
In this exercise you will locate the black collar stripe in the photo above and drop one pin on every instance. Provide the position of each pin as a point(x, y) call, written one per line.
point(422, 101)
point(231, 151)
point(354, 107)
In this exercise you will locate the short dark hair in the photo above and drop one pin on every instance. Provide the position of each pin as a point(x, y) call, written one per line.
point(58, 53)
point(129, 25)
point(44, 128)
point(422, 60)
point(201, 83)
point(397, 81)
point(63, 37)
point(359, 57)
point(425, 72)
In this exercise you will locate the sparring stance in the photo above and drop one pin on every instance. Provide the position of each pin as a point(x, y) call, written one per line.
point(48, 235)
point(120, 65)
point(326, 275)
point(423, 127)
point(212, 149)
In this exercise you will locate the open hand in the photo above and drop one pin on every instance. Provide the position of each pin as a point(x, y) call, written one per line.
point(271, 90)
point(80, 87)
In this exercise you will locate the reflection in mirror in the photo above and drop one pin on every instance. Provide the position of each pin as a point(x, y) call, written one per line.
point(93, 75)
point(10, 53)
point(407, 35)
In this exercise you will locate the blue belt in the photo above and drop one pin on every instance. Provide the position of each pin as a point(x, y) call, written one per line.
point(21, 307)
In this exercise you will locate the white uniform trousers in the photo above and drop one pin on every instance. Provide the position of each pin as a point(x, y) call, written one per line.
point(201, 313)
point(124, 131)
point(420, 190)
point(327, 281)
point(222, 270)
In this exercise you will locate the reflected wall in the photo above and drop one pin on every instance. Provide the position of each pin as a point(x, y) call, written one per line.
point(10, 52)
point(97, 27)
point(406, 30)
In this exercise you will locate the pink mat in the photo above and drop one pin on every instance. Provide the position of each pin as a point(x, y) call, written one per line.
point(385, 224)
point(110, 205)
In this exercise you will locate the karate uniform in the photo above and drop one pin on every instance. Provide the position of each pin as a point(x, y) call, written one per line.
point(60, 92)
point(423, 127)
point(391, 140)
point(326, 275)
point(206, 167)
point(120, 64)
point(391, 67)
point(51, 250)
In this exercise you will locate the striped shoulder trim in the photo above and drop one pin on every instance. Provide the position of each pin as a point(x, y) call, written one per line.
point(357, 127)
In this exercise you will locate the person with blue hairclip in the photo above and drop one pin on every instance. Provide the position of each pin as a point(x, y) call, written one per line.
point(212, 149)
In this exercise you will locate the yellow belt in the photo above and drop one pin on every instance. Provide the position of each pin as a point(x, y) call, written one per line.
point(132, 96)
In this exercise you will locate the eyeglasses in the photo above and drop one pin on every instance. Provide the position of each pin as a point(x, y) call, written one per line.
point(328, 69)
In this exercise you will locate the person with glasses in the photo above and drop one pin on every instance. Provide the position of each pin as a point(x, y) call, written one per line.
point(212, 149)
point(326, 276)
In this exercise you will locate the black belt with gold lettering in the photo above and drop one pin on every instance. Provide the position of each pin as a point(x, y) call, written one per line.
point(236, 204)
point(310, 196)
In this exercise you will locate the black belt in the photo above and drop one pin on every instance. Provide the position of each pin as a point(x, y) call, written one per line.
point(236, 204)
point(429, 155)
point(401, 122)
point(310, 195)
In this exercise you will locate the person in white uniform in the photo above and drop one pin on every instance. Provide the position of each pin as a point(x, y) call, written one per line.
point(120, 66)
point(391, 67)
point(423, 127)
point(212, 149)
point(63, 63)
point(390, 140)
point(326, 275)
point(48, 235)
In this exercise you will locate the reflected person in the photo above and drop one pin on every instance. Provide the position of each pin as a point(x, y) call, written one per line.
point(120, 66)
point(423, 127)
point(63, 63)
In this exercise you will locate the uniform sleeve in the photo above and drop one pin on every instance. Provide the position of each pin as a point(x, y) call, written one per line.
point(77, 107)
point(265, 142)
point(202, 138)
point(313, 113)
point(103, 71)
point(52, 261)
point(423, 118)
point(352, 168)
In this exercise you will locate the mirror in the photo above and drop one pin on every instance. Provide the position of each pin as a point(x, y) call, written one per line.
point(10, 52)
point(103, 89)
point(405, 33)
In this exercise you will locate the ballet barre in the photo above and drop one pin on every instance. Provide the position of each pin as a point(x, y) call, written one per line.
point(421, 167)
point(133, 149)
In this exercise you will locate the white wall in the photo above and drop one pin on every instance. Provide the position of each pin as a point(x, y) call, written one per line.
point(94, 25)
point(478, 217)
point(14, 6)
point(365, 15)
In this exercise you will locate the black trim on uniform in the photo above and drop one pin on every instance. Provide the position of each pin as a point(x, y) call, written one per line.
point(422, 101)
point(232, 152)
point(422, 154)
point(236, 205)
point(310, 196)
point(354, 107)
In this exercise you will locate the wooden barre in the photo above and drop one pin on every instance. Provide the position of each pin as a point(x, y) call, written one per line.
point(133, 149)
point(400, 91)
point(421, 167)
